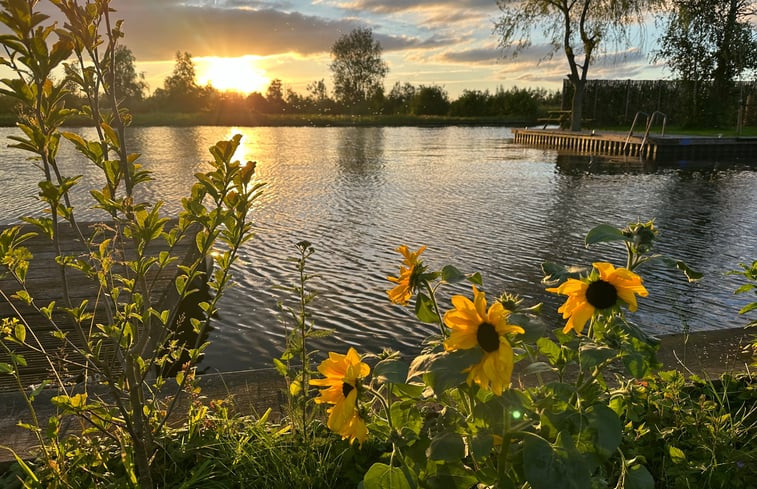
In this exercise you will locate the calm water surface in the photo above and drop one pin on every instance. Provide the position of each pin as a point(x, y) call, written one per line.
point(471, 196)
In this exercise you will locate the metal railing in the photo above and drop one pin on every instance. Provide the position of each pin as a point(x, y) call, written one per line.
point(650, 120)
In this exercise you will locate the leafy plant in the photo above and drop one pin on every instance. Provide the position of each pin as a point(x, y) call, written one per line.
point(451, 414)
point(124, 339)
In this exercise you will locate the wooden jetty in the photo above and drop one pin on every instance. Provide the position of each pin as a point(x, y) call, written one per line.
point(45, 284)
point(651, 147)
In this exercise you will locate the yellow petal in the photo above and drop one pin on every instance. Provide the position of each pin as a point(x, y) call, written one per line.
point(579, 318)
point(342, 411)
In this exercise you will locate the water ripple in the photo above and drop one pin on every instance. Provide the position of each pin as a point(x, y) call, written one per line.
point(477, 201)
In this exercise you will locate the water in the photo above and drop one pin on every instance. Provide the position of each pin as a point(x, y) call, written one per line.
point(474, 198)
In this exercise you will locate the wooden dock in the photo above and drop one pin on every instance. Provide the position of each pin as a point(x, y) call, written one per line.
point(654, 147)
point(45, 284)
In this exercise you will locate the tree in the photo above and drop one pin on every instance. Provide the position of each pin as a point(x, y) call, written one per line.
point(578, 27)
point(274, 95)
point(180, 90)
point(710, 41)
point(129, 85)
point(430, 100)
point(357, 67)
point(399, 99)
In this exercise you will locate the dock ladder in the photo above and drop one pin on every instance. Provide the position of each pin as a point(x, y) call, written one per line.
point(645, 139)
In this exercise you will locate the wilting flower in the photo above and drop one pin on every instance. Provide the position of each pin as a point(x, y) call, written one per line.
point(342, 376)
point(408, 277)
point(471, 326)
point(587, 296)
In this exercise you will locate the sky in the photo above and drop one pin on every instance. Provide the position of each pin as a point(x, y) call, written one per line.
point(246, 43)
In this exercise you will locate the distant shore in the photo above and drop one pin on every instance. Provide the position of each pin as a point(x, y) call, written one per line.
point(252, 119)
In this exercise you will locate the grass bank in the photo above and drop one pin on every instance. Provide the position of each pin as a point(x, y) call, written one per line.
point(252, 119)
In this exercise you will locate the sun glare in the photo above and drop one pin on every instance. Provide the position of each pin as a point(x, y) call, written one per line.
point(234, 74)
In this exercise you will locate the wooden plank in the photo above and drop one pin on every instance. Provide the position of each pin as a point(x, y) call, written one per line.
point(656, 147)
point(45, 284)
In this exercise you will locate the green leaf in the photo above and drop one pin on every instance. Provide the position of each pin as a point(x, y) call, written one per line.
point(20, 332)
point(534, 328)
point(592, 355)
point(538, 368)
point(444, 370)
point(447, 446)
point(482, 445)
point(413, 391)
point(382, 476)
point(407, 418)
point(452, 275)
point(604, 233)
point(391, 370)
point(476, 279)
point(744, 288)
point(555, 274)
point(549, 349)
point(6, 368)
point(281, 368)
point(452, 476)
point(607, 428)
point(638, 477)
point(748, 307)
point(548, 467)
point(424, 309)
point(676, 455)
point(692, 275)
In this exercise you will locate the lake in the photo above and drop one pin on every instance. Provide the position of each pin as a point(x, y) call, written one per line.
point(474, 198)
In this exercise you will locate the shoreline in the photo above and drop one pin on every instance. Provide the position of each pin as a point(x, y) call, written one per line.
point(708, 354)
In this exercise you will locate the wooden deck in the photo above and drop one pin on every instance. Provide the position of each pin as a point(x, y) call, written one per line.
point(44, 283)
point(655, 147)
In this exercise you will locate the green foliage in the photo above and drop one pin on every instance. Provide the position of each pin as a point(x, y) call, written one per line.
point(708, 45)
point(692, 432)
point(749, 272)
point(123, 350)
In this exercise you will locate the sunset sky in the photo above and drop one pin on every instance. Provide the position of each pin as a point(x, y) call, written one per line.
point(443, 42)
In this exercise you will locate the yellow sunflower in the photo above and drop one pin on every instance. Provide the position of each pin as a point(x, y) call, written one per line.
point(585, 297)
point(407, 280)
point(342, 376)
point(471, 325)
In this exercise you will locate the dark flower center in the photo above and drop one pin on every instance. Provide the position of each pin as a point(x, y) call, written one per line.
point(346, 388)
point(487, 337)
point(601, 294)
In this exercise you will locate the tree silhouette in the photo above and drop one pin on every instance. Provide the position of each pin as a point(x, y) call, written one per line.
point(180, 91)
point(358, 68)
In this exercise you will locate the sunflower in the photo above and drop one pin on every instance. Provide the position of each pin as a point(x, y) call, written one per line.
point(342, 375)
point(408, 276)
point(471, 325)
point(585, 297)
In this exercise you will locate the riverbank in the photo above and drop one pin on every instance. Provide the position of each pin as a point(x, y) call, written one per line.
point(255, 119)
point(707, 354)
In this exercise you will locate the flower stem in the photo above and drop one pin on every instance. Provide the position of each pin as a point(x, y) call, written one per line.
point(432, 296)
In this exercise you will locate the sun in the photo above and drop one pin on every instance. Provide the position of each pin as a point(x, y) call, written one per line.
point(241, 74)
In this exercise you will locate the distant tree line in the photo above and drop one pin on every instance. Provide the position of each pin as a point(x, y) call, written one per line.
point(358, 73)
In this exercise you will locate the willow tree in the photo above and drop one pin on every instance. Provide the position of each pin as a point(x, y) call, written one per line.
point(580, 28)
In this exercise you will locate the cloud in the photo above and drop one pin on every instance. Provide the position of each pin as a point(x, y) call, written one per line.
point(393, 6)
point(472, 56)
point(156, 30)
